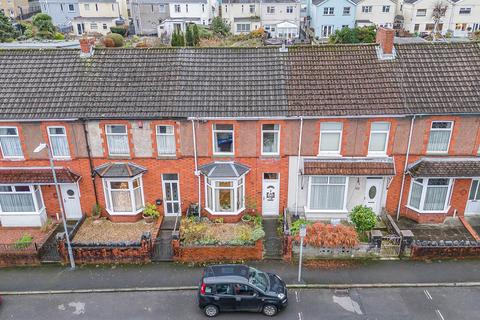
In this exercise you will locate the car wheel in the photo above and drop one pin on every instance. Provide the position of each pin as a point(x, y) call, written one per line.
point(270, 310)
point(211, 310)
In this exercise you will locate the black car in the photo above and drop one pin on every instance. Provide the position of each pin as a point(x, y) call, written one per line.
point(234, 287)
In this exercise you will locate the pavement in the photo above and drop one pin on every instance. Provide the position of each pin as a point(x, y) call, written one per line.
point(361, 304)
point(167, 274)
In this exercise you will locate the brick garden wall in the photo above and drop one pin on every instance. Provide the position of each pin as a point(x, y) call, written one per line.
point(21, 258)
point(217, 253)
point(445, 252)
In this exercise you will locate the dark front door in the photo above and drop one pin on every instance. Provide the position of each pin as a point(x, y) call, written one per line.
point(224, 297)
point(246, 298)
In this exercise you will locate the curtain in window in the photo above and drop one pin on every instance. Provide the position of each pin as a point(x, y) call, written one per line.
point(327, 196)
point(318, 197)
point(438, 140)
point(17, 202)
point(435, 198)
point(166, 144)
point(121, 201)
point(118, 145)
point(60, 146)
point(138, 198)
point(416, 195)
point(11, 147)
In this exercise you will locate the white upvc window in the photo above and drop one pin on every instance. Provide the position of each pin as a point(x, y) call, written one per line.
point(385, 9)
point(243, 27)
point(10, 143)
point(178, 8)
point(440, 135)
point(330, 138)
point(21, 199)
point(328, 11)
point(223, 139)
point(429, 194)
point(327, 194)
point(71, 8)
point(161, 8)
point(225, 196)
point(117, 140)
point(421, 12)
point(58, 142)
point(252, 8)
point(346, 11)
point(289, 9)
point(366, 9)
point(270, 139)
point(166, 140)
point(271, 9)
point(124, 196)
point(378, 143)
point(93, 26)
point(86, 6)
point(465, 11)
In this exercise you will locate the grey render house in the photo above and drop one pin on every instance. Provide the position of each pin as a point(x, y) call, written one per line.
point(61, 11)
point(148, 14)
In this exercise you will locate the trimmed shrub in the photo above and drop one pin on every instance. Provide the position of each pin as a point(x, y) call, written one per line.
point(108, 42)
point(119, 30)
point(117, 39)
point(363, 218)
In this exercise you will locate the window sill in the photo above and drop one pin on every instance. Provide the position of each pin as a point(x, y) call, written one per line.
point(438, 153)
point(112, 213)
point(270, 156)
point(236, 213)
point(308, 210)
point(62, 159)
point(223, 155)
point(20, 213)
point(166, 157)
point(331, 155)
point(377, 155)
point(13, 159)
point(429, 212)
point(119, 157)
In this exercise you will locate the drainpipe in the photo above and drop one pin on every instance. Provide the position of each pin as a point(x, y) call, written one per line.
point(405, 167)
point(90, 160)
point(196, 167)
point(298, 165)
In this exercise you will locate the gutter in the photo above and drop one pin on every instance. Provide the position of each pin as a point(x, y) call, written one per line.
point(298, 165)
point(405, 167)
point(197, 173)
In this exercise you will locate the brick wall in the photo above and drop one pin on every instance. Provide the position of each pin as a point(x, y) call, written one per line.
point(217, 253)
point(19, 259)
point(445, 252)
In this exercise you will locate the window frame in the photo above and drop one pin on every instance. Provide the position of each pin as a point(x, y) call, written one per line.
point(214, 131)
point(157, 134)
point(289, 9)
point(107, 134)
point(425, 186)
point(58, 135)
point(274, 131)
point(177, 8)
point(347, 11)
point(131, 189)
point(20, 157)
point(86, 6)
point(367, 9)
point(161, 8)
point(32, 190)
point(309, 195)
point(328, 11)
point(244, 29)
point(252, 8)
point(330, 153)
point(423, 11)
point(386, 9)
point(387, 137)
point(464, 11)
point(72, 6)
point(236, 184)
point(271, 9)
point(440, 129)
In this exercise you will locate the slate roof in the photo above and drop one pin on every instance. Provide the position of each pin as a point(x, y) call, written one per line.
point(349, 167)
point(119, 170)
point(224, 169)
point(326, 80)
point(37, 175)
point(445, 167)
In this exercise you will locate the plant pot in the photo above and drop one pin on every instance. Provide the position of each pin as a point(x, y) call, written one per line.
point(148, 219)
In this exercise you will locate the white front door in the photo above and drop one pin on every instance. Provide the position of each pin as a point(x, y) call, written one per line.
point(373, 194)
point(171, 194)
point(71, 201)
point(473, 202)
point(270, 194)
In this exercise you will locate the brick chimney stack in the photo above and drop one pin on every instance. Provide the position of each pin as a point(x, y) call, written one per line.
point(385, 40)
point(86, 47)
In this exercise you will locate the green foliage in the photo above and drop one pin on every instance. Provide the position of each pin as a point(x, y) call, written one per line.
point(196, 35)
point(150, 210)
point(355, 35)
point(47, 225)
point(24, 241)
point(7, 31)
point(476, 35)
point(44, 25)
point(189, 36)
point(58, 36)
point(119, 30)
point(96, 210)
point(218, 220)
point(178, 39)
point(219, 26)
point(363, 218)
point(204, 33)
point(258, 234)
point(255, 219)
point(295, 228)
point(117, 39)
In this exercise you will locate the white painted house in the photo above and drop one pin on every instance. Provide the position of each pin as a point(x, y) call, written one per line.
point(465, 17)
point(380, 13)
point(281, 18)
point(192, 11)
point(243, 16)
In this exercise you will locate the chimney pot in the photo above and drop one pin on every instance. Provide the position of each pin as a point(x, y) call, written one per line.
point(385, 39)
point(86, 46)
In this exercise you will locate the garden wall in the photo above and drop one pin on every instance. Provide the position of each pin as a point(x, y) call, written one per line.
point(445, 249)
point(19, 258)
point(363, 250)
point(216, 253)
point(99, 253)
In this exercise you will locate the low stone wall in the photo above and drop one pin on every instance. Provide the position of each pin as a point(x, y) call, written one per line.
point(106, 253)
point(445, 249)
point(216, 253)
point(363, 250)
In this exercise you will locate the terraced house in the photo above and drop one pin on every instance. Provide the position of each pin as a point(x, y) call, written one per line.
point(314, 130)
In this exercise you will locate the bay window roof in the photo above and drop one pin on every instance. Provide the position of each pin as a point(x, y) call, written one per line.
point(456, 167)
point(224, 170)
point(349, 167)
point(42, 175)
point(119, 170)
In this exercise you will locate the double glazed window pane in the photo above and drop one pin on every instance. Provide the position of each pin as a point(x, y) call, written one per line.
point(223, 135)
point(474, 191)
point(330, 135)
point(435, 198)
point(439, 136)
point(10, 142)
point(416, 195)
point(224, 199)
point(270, 138)
point(327, 193)
point(59, 142)
point(165, 140)
point(17, 202)
point(117, 140)
point(378, 136)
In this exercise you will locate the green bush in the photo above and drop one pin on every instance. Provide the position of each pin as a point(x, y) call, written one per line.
point(178, 39)
point(119, 30)
point(258, 234)
point(355, 35)
point(150, 210)
point(204, 33)
point(219, 26)
point(7, 31)
point(117, 39)
point(363, 218)
point(58, 36)
point(24, 241)
point(44, 35)
point(295, 228)
point(43, 23)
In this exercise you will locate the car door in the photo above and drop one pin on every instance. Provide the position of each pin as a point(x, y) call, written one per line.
point(224, 297)
point(246, 298)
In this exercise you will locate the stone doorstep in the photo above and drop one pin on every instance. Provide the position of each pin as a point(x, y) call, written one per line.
point(469, 228)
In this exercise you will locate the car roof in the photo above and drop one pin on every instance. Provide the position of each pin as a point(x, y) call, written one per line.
point(225, 279)
point(226, 273)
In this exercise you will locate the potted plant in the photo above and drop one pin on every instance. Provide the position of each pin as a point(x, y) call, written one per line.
point(150, 213)
point(96, 211)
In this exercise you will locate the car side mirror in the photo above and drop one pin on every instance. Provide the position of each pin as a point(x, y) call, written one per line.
point(255, 294)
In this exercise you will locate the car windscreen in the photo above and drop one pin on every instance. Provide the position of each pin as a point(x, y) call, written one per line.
point(259, 279)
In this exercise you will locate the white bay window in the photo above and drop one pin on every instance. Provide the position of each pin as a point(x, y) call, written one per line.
point(124, 196)
point(225, 196)
point(21, 199)
point(429, 194)
point(327, 193)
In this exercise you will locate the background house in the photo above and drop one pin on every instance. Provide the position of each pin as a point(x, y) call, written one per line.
point(243, 16)
point(326, 16)
point(148, 14)
point(377, 13)
point(62, 12)
point(98, 16)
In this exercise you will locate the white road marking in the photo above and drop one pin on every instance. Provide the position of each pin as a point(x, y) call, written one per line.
point(348, 304)
point(429, 296)
point(439, 314)
point(300, 316)
point(297, 296)
point(61, 307)
point(78, 306)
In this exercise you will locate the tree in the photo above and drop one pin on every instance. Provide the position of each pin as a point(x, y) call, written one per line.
point(439, 11)
point(7, 31)
point(220, 27)
point(178, 39)
point(189, 36)
point(43, 23)
point(196, 35)
point(355, 35)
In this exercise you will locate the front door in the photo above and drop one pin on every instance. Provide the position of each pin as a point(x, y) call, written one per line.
point(270, 194)
point(373, 194)
point(71, 201)
point(473, 203)
point(171, 194)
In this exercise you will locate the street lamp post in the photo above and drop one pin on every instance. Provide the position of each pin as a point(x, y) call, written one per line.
point(303, 233)
point(41, 147)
